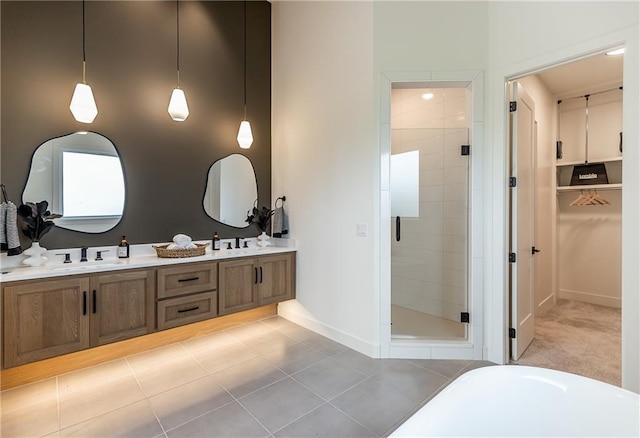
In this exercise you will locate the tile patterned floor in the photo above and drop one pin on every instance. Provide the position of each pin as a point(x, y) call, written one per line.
point(269, 378)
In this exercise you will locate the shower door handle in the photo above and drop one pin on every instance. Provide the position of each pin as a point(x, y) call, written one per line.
point(397, 228)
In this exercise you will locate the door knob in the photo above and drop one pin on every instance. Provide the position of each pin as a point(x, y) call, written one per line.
point(534, 250)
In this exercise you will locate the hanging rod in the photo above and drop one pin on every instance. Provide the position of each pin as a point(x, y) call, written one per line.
point(598, 187)
point(586, 96)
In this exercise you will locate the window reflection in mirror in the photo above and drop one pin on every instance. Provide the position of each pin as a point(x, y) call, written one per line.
point(81, 177)
point(231, 190)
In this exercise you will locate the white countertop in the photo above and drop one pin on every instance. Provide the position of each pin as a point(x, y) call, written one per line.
point(142, 256)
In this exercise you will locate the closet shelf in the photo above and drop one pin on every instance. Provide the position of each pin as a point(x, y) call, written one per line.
point(580, 162)
point(589, 187)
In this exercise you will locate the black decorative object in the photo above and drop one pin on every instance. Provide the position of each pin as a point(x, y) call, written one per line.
point(35, 220)
point(261, 217)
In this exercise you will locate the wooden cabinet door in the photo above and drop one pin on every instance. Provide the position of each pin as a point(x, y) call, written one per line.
point(122, 305)
point(45, 319)
point(275, 278)
point(237, 287)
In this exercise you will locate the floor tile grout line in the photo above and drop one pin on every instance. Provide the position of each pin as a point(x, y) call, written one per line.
point(251, 414)
point(200, 416)
point(324, 402)
point(435, 372)
point(329, 401)
point(335, 396)
point(164, 431)
point(349, 416)
point(208, 412)
point(60, 428)
point(103, 414)
point(255, 390)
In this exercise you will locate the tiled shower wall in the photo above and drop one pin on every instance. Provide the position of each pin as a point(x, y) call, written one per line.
point(429, 264)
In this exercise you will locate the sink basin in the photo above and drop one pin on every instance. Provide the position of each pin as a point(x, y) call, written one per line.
point(84, 266)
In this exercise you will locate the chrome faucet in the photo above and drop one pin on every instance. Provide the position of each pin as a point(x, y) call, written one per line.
point(83, 253)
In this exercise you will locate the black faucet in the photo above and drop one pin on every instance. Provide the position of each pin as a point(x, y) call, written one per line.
point(237, 242)
point(83, 254)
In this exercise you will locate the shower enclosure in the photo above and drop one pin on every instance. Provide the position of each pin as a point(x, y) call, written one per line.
point(429, 190)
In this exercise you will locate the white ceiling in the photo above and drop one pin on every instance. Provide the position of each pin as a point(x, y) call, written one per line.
point(588, 75)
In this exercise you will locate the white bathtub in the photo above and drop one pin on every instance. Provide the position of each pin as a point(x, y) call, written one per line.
point(512, 400)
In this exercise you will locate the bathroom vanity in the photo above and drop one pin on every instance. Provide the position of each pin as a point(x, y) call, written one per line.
point(55, 310)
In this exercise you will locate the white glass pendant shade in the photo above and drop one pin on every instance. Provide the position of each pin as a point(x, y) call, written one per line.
point(178, 108)
point(83, 105)
point(245, 137)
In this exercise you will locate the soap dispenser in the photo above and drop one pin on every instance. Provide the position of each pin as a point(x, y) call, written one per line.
point(216, 241)
point(123, 248)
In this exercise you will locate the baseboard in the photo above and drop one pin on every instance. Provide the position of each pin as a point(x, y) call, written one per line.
point(601, 300)
point(290, 310)
point(423, 350)
point(545, 304)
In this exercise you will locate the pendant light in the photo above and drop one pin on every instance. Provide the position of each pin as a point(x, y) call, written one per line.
point(178, 108)
point(83, 105)
point(245, 137)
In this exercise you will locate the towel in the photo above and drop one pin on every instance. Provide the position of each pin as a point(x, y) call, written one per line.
point(9, 237)
point(182, 241)
point(280, 223)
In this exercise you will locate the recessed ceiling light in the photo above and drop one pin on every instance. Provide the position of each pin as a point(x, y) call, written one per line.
point(616, 52)
point(427, 96)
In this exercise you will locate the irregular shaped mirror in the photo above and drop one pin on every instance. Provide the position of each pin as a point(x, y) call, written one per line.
point(231, 190)
point(81, 177)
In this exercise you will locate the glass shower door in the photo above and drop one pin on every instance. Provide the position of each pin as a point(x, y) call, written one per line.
point(429, 248)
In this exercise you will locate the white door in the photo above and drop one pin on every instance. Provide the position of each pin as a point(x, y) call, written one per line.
point(522, 220)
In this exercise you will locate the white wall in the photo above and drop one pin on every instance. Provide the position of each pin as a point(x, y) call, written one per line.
point(327, 61)
point(324, 161)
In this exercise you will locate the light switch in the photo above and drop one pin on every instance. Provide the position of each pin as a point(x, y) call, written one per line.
point(361, 230)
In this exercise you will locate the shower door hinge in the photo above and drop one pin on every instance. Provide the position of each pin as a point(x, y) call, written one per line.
point(512, 333)
point(512, 181)
point(512, 257)
point(465, 149)
point(464, 317)
point(513, 106)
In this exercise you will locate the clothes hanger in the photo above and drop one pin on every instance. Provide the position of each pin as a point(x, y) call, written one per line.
point(600, 199)
point(579, 199)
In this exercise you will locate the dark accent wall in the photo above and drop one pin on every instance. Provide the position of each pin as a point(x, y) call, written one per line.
point(131, 67)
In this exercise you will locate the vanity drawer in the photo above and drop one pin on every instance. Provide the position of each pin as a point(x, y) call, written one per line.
point(183, 280)
point(184, 310)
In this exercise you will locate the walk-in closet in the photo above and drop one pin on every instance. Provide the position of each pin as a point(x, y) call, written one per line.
point(577, 175)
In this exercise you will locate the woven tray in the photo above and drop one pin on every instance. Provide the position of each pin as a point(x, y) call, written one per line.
point(163, 252)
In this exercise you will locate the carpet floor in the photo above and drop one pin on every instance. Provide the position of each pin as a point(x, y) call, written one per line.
point(579, 338)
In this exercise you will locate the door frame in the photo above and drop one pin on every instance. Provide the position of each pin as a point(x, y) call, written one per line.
point(497, 285)
point(473, 347)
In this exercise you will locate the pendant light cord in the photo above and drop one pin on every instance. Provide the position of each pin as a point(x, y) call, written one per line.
point(244, 62)
point(178, 40)
point(84, 52)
